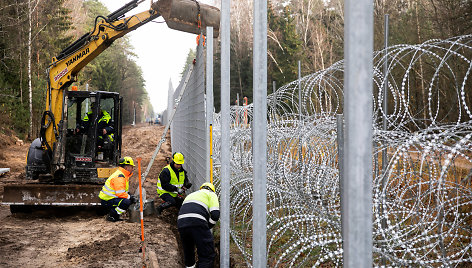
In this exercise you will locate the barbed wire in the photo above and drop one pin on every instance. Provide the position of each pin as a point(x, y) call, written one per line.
point(422, 201)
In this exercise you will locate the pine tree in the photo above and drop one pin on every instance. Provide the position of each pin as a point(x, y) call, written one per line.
point(285, 47)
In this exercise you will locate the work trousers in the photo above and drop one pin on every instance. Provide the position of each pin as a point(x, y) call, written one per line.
point(111, 205)
point(202, 238)
point(174, 201)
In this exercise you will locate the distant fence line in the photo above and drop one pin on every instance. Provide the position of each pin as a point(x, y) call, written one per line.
point(422, 201)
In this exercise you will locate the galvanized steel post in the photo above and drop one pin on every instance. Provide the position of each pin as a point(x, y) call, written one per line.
point(340, 140)
point(209, 102)
point(225, 133)
point(358, 51)
point(170, 103)
point(259, 247)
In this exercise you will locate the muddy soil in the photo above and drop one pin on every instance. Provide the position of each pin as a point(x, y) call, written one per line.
point(71, 237)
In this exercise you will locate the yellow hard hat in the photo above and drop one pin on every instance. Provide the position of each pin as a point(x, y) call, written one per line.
point(178, 158)
point(127, 161)
point(208, 185)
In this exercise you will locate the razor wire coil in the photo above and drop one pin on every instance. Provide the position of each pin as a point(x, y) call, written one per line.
point(422, 201)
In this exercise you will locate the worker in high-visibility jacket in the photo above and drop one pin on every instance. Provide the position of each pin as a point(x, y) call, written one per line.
point(198, 214)
point(172, 183)
point(114, 194)
point(105, 129)
point(104, 139)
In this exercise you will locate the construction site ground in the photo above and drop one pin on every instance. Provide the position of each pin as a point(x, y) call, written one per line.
point(81, 238)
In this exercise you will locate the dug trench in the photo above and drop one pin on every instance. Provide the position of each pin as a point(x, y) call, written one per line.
point(74, 237)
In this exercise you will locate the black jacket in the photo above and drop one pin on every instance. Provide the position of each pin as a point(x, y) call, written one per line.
point(165, 178)
point(200, 208)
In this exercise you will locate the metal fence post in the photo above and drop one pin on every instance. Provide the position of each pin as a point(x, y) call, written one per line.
point(225, 133)
point(358, 51)
point(340, 139)
point(209, 102)
point(170, 103)
point(259, 245)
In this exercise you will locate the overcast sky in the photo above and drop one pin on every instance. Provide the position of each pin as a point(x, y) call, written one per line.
point(161, 53)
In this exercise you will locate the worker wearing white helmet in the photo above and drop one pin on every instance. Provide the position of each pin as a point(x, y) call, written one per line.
point(198, 214)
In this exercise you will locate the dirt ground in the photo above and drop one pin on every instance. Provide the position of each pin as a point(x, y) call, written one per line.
point(81, 238)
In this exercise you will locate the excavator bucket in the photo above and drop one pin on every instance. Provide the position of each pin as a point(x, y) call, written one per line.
point(182, 15)
point(53, 195)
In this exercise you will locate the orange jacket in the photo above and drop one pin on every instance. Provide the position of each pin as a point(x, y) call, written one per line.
point(116, 186)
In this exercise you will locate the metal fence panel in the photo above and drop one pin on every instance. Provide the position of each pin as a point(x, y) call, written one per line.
point(188, 129)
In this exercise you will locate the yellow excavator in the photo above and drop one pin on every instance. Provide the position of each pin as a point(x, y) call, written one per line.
point(67, 164)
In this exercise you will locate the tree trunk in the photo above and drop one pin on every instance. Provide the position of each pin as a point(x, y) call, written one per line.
point(30, 89)
point(20, 41)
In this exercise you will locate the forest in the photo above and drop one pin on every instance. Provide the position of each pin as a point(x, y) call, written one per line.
point(310, 31)
point(34, 31)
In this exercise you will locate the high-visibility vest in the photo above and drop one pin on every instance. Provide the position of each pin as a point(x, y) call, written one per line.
point(116, 186)
point(177, 182)
point(200, 208)
point(105, 118)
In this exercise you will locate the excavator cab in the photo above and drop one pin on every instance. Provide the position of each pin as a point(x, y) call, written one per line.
point(93, 135)
point(86, 153)
point(83, 160)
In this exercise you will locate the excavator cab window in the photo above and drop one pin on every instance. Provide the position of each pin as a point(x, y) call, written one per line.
point(79, 133)
point(105, 129)
point(92, 128)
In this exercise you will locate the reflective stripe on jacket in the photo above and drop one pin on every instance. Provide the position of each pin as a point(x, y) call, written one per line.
point(102, 122)
point(116, 186)
point(177, 182)
point(105, 117)
point(200, 208)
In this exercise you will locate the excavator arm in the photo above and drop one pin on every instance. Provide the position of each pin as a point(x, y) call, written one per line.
point(183, 15)
point(64, 68)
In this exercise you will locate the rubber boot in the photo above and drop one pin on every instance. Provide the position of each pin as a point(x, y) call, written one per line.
point(163, 206)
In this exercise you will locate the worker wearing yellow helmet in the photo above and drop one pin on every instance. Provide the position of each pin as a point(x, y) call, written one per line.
point(172, 183)
point(114, 194)
point(198, 214)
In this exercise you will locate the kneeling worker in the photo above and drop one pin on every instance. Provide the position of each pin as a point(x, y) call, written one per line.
point(198, 214)
point(114, 194)
point(172, 183)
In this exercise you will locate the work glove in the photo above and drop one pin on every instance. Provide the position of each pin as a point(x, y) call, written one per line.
point(180, 191)
point(132, 198)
